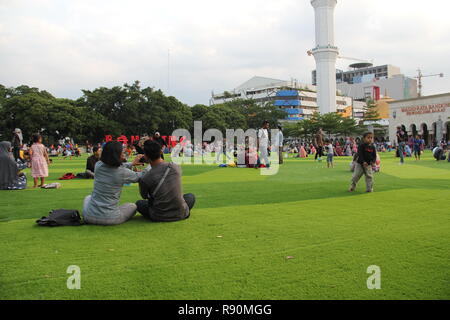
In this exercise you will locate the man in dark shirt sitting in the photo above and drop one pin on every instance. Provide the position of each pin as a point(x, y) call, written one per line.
point(91, 161)
point(161, 187)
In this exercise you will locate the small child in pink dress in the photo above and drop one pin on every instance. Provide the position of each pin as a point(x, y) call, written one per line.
point(303, 153)
point(39, 161)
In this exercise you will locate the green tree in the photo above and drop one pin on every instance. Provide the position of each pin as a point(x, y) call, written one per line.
point(212, 120)
point(330, 122)
point(307, 128)
point(291, 130)
point(232, 117)
point(371, 111)
point(198, 111)
point(349, 127)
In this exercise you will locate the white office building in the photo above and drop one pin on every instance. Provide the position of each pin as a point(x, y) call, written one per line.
point(297, 99)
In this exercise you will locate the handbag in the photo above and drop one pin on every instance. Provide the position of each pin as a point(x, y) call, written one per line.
point(61, 217)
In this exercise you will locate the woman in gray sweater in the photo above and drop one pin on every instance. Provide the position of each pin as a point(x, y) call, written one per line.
point(102, 206)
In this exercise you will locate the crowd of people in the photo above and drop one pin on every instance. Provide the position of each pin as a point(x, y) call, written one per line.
point(114, 165)
point(405, 146)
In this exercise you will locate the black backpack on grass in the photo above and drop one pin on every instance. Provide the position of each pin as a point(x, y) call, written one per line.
point(61, 217)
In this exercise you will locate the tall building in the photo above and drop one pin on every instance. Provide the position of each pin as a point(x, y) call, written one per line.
point(362, 72)
point(298, 100)
point(398, 87)
point(365, 81)
point(325, 53)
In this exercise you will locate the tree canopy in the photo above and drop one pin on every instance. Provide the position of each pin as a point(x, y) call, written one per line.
point(120, 110)
point(331, 123)
point(133, 110)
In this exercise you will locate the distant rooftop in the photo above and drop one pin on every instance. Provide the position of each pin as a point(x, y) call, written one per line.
point(360, 65)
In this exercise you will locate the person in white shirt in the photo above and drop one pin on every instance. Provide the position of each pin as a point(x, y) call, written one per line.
point(263, 142)
point(279, 144)
point(330, 154)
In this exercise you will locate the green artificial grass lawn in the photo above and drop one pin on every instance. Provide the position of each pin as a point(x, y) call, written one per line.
point(295, 235)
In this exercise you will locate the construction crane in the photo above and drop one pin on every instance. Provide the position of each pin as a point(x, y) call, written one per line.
point(419, 77)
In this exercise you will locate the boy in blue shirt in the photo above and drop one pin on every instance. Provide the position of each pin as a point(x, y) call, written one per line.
point(417, 147)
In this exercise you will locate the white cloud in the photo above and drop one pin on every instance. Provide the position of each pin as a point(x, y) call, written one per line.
point(64, 46)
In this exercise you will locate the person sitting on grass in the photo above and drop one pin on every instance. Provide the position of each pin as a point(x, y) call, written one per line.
point(111, 173)
point(67, 153)
point(161, 189)
point(439, 153)
point(10, 176)
point(366, 158)
point(92, 161)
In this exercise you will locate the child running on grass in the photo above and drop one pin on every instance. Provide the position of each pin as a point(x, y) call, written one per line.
point(330, 154)
point(366, 157)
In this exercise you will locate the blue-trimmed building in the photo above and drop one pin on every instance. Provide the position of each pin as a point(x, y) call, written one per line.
point(289, 101)
point(297, 99)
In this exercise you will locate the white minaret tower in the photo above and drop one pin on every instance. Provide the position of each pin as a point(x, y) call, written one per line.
point(325, 53)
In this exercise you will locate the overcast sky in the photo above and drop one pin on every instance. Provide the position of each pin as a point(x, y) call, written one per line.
point(66, 45)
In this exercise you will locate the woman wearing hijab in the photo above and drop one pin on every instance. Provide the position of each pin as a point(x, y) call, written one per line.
point(10, 176)
point(303, 153)
point(17, 142)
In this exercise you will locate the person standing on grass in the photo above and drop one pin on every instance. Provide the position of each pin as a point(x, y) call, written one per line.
point(279, 144)
point(157, 137)
point(417, 147)
point(17, 143)
point(111, 173)
point(330, 154)
point(39, 161)
point(161, 188)
point(365, 159)
point(402, 138)
point(318, 140)
point(263, 143)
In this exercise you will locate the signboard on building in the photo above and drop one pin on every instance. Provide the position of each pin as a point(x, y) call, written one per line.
point(424, 109)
